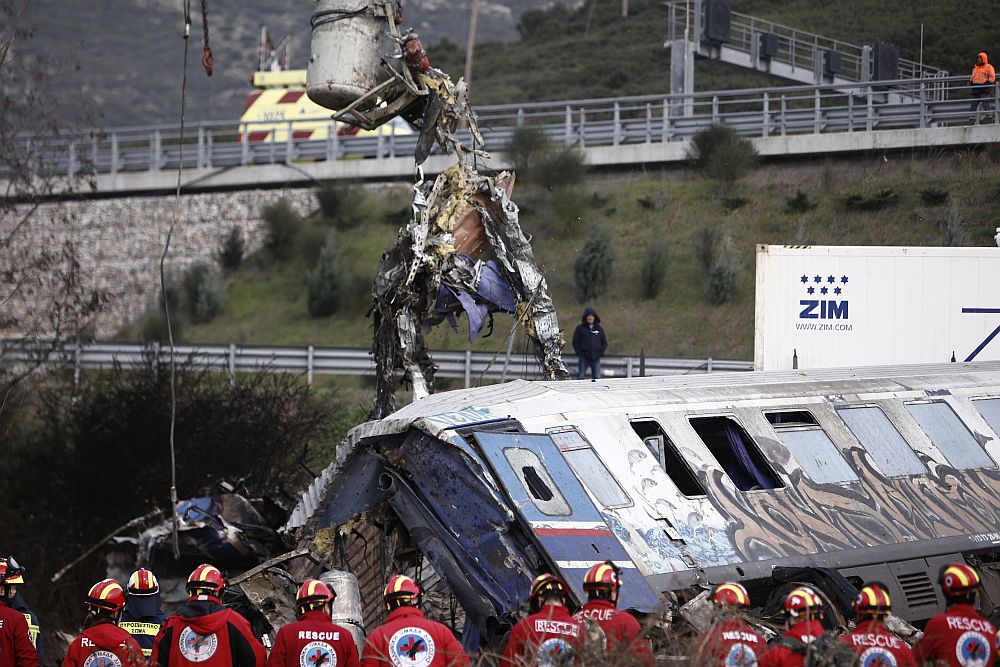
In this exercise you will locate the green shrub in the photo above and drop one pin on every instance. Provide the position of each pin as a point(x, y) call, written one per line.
point(153, 326)
point(204, 292)
point(592, 269)
point(283, 227)
point(342, 206)
point(654, 268)
point(399, 217)
point(720, 153)
point(878, 201)
point(527, 145)
point(934, 196)
point(560, 167)
point(326, 283)
point(724, 275)
point(731, 204)
point(705, 241)
point(800, 203)
point(570, 209)
point(231, 248)
point(953, 233)
point(310, 241)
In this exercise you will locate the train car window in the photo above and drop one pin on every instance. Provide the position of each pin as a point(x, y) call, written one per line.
point(811, 447)
point(989, 408)
point(668, 457)
point(889, 450)
point(536, 481)
point(737, 453)
point(950, 435)
point(589, 468)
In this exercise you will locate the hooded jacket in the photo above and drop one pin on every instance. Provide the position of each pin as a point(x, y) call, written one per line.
point(548, 636)
point(407, 639)
point(142, 618)
point(206, 634)
point(314, 641)
point(104, 644)
point(589, 342)
point(15, 647)
point(983, 74)
point(622, 633)
point(957, 637)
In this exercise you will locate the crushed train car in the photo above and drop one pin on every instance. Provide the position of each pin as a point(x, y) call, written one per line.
point(878, 473)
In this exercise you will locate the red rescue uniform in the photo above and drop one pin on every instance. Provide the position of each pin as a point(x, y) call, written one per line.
point(959, 637)
point(15, 646)
point(550, 636)
point(782, 656)
point(313, 641)
point(407, 639)
point(877, 647)
point(622, 631)
point(206, 634)
point(731, 641)
point(104, 644)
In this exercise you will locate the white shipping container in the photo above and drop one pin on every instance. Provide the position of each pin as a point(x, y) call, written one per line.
point(841, 306)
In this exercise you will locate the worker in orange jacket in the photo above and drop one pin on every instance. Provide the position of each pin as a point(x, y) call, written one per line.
point(983, 80)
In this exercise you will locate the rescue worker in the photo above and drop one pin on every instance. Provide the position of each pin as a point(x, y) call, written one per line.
point(17, 602)
point(804, 611)
point(731, 640)
point(205, 633)
point(549, 636)
point(621, 631)
point(314, 640)
point(873, 643)
point(959, 637)
point(407, 639)
point(142, 616)
point(15, 646)
point(982, 80)
point(103, 643)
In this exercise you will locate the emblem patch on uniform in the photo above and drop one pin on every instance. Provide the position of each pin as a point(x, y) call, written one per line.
point(877, 657)
point(317, 654)
point(555, 652)
point(195, 647)
point(102, 659)
point(741, 655)
point(973, 650)
point(411, 647)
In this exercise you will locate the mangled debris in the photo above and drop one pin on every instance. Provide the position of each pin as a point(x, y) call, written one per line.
point(463, 251)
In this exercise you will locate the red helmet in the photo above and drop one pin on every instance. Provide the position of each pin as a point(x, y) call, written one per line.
point(731, 594)
point(958, 580)
point(206, 580)
point(603, 575)
point(143, 582)
point(872, 600)
point(10, 572)
point(401, 589)
point(803, 601)
point(544, 584)
point(314, 591)
point(107, 595)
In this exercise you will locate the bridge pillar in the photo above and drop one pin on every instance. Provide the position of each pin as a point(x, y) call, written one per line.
point(682, 76)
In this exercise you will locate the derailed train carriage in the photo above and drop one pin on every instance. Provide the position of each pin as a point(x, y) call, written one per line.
point(877, 473)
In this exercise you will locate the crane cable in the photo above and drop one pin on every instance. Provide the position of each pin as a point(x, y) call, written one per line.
point(175, 524)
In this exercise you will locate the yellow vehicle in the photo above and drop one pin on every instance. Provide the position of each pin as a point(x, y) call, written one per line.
point(279, 103)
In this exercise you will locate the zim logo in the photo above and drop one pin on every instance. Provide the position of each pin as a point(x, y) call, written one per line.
point(822, 302)
point(555, 652)
point(877, 657)
point(195, 647)
point(317, 654)
point(741, 655)
point(411, 647)
point(102, 659)
point(973, 650)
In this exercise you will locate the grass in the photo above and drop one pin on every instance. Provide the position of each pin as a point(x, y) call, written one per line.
point(266, 303)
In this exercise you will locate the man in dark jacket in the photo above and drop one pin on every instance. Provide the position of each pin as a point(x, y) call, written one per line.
point(589, 343)
point(143, 615)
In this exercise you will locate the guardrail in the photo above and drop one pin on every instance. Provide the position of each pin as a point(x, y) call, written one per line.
point(310, 361)
point(586, 123)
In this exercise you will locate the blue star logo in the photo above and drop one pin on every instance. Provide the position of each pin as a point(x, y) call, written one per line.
point(805, 279)
point(836, 290)
point(843, 279)
point(818, 279)
point(823, 290)
point(830, 279)
point(811, 290)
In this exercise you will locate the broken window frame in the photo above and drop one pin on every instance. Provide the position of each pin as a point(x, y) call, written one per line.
point(991, 419)
point(667, 448)
point(957, 444)
point(601, 468)
point(811, 426)
point(876, 460)
point(524, 458)
point(752, 448)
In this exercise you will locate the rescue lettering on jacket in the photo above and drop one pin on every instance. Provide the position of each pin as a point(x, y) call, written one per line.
point(314, 635)
point(557, 627)
point(872, 639)
point(964, 623)
point(596, 614)
point(740, 636)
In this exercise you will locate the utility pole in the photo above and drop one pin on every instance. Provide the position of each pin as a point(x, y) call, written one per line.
point(624, 9)
point(470, 46)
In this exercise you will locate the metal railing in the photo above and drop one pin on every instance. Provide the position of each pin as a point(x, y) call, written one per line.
point(586, 123)
point(796, 48)
point(310, 361)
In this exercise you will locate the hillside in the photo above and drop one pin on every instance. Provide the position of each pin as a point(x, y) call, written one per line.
point(266, 303)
